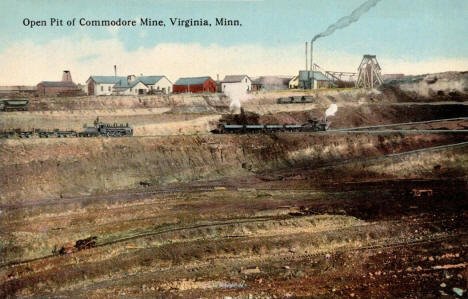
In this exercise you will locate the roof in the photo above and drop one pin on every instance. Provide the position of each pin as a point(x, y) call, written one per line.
point(234, 78)
point(150, 80)
point(122, 82)
point(319, 76)
point(57, 84)
point(192, 81)
point(106, 79)
point(272, 80)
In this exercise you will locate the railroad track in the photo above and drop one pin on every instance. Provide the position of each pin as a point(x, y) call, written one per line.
point(403, 124)
point(355, 130)
point(414, 221)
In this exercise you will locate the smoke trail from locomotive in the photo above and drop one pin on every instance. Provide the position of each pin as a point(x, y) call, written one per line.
point(331, 110)
point(347, 20)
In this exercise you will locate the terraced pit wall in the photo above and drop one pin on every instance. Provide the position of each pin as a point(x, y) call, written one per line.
point(40, 169)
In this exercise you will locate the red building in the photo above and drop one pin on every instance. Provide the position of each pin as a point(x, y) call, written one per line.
point(196, 84)
point(66, 87)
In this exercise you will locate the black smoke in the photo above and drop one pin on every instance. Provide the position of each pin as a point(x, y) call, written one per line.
point(346, 21)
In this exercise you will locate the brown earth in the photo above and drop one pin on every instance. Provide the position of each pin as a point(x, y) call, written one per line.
point(322, 215)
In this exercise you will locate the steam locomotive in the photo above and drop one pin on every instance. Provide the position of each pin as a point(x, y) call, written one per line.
point(245, 123)
point(99, 129)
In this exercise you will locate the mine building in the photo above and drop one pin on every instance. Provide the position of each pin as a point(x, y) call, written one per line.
point(195, 84)
point(66, 87)
point(313, 80)
point(236, 82)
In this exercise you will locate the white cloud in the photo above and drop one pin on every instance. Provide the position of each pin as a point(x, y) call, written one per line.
point(29, 63)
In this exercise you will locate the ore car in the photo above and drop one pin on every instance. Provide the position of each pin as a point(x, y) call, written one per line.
point(14, 105)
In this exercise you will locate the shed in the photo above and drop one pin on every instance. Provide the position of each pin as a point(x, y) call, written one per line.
point(194, 84)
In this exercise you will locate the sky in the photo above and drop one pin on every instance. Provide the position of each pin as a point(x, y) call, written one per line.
point(408, 36)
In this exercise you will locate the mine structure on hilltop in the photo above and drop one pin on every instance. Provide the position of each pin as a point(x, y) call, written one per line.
point(369, 73)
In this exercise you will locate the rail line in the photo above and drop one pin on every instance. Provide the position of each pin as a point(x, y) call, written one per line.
point(279, 258)
point(416, 220)
point(356, 130)
point(403, 124)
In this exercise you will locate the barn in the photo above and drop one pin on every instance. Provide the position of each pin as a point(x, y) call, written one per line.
point(194, 84)
point(57, 88)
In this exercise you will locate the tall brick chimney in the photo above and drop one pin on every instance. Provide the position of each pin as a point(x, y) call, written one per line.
point(66, 77)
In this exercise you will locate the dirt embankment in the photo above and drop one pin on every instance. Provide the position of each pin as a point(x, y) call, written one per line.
point(39, 169)
point(449, 86)
point(201, 103)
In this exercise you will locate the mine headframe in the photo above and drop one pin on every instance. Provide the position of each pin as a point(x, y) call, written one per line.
point(369, 73)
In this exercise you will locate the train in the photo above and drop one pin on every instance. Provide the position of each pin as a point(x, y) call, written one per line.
point(99, 129)
point(248, 123)
point(14, 105)
point(311, 126)
point(295, 100)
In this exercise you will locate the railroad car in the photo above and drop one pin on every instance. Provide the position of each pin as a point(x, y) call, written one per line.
point(14, 105)
point(295, 100)
point(311, 126)
point(99, 129)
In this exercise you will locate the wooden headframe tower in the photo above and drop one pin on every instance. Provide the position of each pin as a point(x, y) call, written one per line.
point(369, 73)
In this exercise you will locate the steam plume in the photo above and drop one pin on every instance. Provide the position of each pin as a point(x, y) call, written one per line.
point(346, 21)
point(237, 94)
point(331, 110)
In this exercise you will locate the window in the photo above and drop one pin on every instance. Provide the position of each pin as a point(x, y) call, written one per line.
point(102, 88)
point(130, 89)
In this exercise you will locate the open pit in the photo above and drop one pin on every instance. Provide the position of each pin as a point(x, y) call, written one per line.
point(178, 212)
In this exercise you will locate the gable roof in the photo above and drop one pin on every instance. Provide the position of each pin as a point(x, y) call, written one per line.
point(192, 81)
point(57, 84)
point(234, 78)
point(106, 79)
point(150, 80)
point(123, 83)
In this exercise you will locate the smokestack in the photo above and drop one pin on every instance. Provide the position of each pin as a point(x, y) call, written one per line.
point(115, 71)
point(66, 76)
point(312, 63)
point(307, 57)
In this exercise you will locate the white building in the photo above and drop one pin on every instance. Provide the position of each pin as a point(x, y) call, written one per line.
point(236, 83)
point(130, 85)
point(157, 83)
point(102, 85)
